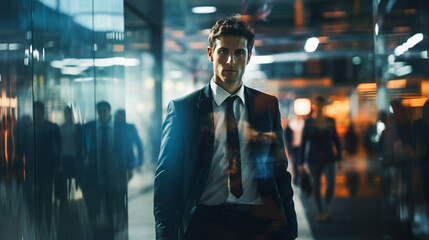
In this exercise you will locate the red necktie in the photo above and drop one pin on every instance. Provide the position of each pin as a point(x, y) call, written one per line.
point(233, 150)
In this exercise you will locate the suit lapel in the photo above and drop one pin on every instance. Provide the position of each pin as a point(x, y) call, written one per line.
point(206, 138)
point(204, 144)
point(250, 102)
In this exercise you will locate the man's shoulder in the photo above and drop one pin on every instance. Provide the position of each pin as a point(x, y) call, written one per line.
point(262, 102)
point(190, 99)
point(259, 95)
point(89, 125)
point(193, 96)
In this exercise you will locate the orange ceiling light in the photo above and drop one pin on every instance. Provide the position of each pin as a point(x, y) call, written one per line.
point(257, 43)
point(118, 48)
point(178, 34)
point(366, 87)
point(299, 13)
point(336, 14)
point(140, 45)
point(414, 102)
point(425, 88)
point(198, 45)
point(397, 84)
point(323, 39)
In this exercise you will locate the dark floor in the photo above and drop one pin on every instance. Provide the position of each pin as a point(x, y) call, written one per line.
point(351, 218)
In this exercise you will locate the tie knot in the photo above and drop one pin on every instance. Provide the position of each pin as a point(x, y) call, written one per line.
point(230, 100)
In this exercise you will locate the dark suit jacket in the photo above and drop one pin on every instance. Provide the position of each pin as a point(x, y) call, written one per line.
point(315, 146)
point(122, 154)
point(186, 155)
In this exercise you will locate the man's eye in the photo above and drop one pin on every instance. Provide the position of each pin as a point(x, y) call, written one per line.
point(240, 53)
point(223, 51)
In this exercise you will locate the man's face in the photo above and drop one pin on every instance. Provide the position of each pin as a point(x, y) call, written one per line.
point(103, 114)
point(230, 57)
point(318, 107)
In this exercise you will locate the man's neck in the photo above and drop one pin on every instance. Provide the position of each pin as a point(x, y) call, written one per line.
point(230, 88)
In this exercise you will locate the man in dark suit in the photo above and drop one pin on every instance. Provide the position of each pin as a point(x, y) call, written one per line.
point(221, 171)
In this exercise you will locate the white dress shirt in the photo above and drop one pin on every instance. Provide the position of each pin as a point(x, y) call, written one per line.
point(216, 191)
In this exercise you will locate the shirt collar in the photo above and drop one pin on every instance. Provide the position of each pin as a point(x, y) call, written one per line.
point(220, 94)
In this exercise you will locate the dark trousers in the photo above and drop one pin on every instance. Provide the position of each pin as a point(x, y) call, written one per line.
point(237, 222)
point(294, 155)
point(329, 170)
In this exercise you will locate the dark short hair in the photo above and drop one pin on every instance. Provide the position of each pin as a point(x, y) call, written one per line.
point(68, 109)
point(320, 99)
point(103, 104)
point(232, 26)
point(40, 106)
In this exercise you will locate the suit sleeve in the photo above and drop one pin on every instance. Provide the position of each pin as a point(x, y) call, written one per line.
point(304, 142)
point(337, 141)
point(283, 177)
point(168, 176)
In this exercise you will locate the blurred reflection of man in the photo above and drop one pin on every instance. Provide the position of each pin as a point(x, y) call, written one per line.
point(105, 170)
point(221, 171)
point(47, 163)
point(132, 137)
point(71, 135)
point(420, 141)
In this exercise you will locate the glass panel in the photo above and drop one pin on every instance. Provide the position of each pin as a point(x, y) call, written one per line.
point(17, 169)
point(403, 125)
point(142, 83)
point(58, 60)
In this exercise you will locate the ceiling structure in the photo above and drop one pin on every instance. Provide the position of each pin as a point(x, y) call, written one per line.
point(345, 30)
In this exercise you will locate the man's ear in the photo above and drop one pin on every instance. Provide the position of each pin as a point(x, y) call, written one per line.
point(248, 57)
point(210, 54)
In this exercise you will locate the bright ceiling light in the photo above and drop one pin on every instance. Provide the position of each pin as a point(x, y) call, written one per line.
point(302, 106)
point(262, 59)
point(204, 9)
point(412, 41)
point(311, 44)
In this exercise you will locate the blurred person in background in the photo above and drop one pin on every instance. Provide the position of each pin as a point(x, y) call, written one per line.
point(293, 136)
point(318, 156)
point(351, 141)
point(222, 168)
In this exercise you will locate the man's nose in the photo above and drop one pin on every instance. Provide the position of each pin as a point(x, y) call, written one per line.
point(230, 59)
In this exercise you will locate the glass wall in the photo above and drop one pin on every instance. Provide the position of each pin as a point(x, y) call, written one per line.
point(401, 47)
point(66, 150)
